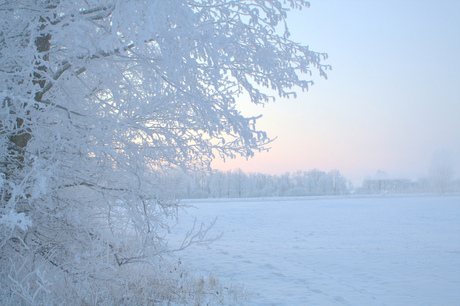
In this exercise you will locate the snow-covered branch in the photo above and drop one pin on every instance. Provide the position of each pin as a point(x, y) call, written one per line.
point(98, 100)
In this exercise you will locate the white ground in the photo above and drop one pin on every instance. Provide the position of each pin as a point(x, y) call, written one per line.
point(336, 251)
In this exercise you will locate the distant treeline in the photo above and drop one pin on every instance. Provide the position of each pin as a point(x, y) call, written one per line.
point(238, 184)
point(394, 186)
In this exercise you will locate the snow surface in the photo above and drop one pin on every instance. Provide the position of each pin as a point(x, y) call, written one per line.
point(335, 251)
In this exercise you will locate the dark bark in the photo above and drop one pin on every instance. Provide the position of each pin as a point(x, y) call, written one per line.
point(20, 139)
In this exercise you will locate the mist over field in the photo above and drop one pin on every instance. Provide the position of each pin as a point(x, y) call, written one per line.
point(217, 184)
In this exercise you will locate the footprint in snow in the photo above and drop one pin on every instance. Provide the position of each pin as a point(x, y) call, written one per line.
point(278, 274)
point(341, 300)
point(271, 267)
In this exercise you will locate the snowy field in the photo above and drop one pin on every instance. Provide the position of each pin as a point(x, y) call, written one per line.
point(335, 251)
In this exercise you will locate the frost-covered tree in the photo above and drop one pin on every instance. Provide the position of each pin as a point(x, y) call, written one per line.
point(218, 182)
point(99, 97)
point(338, 183)
point(313, 178)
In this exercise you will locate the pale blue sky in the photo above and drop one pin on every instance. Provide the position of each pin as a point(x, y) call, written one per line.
point(391, 100)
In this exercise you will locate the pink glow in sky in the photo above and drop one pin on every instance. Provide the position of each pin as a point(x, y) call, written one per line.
point(391, 100)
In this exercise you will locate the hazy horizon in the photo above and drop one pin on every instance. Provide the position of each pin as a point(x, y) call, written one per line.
point(390, 102)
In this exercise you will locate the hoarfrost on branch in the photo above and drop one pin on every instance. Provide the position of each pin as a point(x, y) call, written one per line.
point(98, 98)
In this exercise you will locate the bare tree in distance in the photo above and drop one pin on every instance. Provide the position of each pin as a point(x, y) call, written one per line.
point(100, 97)
point(441, 172)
